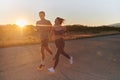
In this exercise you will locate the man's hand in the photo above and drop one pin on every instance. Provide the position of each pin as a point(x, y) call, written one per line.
point(35, 29)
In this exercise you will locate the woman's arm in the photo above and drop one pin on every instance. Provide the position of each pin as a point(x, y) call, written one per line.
point(65, 29)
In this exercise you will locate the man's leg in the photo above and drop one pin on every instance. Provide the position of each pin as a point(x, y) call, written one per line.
point(47, 48)
point(42, 58)
point(42, 53)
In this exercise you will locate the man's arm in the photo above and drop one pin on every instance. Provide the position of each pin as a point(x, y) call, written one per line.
point(50, 30)
point(35, 28)
point(50, 26)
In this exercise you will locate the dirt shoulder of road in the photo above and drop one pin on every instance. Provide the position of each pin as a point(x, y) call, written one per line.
point(33, 40)
point(83, 36)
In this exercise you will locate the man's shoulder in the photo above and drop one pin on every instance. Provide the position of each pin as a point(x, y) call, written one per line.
point(38, 21)
point(47, 20)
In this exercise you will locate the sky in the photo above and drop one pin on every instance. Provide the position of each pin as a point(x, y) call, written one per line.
point(84, 12)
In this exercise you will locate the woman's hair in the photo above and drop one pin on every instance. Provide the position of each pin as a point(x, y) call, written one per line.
point(60, 19)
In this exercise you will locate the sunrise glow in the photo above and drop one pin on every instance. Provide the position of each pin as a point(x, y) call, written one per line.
point(21, 23)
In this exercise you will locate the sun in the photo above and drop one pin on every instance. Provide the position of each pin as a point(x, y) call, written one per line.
point(21, 23)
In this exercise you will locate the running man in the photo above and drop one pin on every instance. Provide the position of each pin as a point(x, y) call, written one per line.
point(43, 26)
point(59, 31)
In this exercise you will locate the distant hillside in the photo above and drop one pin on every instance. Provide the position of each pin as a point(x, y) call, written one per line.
point(115, 25)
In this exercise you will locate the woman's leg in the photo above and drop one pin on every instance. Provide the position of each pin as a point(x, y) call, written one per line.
point(67, 56)
point(64, 53)
point(62, 48)
point(56, 58)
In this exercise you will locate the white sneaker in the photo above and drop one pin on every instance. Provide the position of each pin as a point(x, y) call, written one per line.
point(71, 60)
point(52, 70)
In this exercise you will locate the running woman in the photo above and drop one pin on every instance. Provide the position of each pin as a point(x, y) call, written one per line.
point(59, 32)
point(43, 26)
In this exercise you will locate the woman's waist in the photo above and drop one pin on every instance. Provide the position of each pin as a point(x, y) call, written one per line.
point(59, 37)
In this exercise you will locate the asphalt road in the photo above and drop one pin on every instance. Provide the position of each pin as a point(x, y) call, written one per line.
point(94, 59)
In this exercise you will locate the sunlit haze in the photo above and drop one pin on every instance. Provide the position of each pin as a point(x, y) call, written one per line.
point(21, 23)
point(86, 12)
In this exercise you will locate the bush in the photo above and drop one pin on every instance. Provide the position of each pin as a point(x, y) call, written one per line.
point(87, 29)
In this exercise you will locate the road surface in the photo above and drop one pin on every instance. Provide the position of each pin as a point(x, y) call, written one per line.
point(94, 59)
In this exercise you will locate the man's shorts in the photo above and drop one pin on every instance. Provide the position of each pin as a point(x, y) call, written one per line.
point(44, 42)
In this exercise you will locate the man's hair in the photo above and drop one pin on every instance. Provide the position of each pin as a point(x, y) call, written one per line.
point(42, 12)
